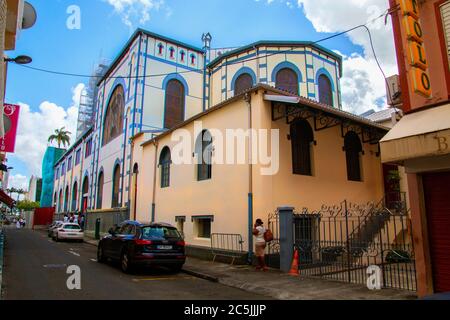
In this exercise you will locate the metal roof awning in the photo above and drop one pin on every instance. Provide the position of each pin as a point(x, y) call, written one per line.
point(6, 199)
point(324, 117)
point(421, 134)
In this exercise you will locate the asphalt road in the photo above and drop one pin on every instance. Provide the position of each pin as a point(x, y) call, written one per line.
point(35, 269)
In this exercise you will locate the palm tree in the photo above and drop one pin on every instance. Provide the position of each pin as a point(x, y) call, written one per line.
point(19, 193)
point(61, 136)
point(11, 191)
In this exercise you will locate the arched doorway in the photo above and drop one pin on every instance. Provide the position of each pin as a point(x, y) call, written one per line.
point(74, 196)
point(66, 200)
point(85, 195)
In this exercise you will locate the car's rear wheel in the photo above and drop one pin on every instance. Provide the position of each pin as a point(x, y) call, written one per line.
point(100, 254)
point(125, 263)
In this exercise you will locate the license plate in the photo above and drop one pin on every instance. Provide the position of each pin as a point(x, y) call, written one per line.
point(73, 234)
point(164, 247)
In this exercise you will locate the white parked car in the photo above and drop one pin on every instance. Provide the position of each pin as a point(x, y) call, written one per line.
point(68, 231)
point(52, 227)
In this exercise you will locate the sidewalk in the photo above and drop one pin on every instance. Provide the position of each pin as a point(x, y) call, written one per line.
point(278, 285)
point(281, 286)
point(2, 242)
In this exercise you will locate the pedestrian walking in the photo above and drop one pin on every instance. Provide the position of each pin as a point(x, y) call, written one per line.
point(82, 221)
point(72, 218)
point(260, 244)
point(66, 218)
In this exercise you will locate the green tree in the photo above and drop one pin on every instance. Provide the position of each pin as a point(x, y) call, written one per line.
point(61, 136)
point(27, 205)
point(19, 193)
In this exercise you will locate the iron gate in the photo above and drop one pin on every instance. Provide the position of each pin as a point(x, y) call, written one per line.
point(341, 242)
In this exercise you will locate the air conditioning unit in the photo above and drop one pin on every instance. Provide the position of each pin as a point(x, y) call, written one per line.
point(393, 91)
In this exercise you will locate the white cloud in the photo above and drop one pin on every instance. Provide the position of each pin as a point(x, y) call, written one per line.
point(18, 181)
point(135, 12)
point(362, 85)
point(35, 128)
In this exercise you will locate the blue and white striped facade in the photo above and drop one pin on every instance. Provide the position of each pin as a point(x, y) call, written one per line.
point(145, 66)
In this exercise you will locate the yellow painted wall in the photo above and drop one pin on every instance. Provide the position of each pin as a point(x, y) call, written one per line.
point(188, 197)
point(328, 185)
point(225, 195)
point(308, 61)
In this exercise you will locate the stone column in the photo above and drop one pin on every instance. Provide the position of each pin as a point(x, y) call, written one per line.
point(286, 216)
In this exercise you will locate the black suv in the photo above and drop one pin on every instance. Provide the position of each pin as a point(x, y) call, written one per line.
point(133, 243)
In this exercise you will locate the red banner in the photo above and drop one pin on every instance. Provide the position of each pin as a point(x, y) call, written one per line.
point(10, 120)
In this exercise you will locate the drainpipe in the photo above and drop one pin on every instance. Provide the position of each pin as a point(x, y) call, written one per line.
point(155, 165)
point(248, 99)
point(130, 179)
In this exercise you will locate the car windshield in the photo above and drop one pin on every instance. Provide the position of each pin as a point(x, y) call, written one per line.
point(72, 227)
point(154, 233)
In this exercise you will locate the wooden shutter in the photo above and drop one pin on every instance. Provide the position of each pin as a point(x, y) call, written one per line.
point(164, 162)
point(287, 80)
point(325, 91)
point(174, 108)
point(243, 83)
point(353, 148)
point(445, 15)
point(301, 139)
point(205, 157)
point(437, 203)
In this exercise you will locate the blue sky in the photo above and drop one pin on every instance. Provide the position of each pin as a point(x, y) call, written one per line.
point(104, 31)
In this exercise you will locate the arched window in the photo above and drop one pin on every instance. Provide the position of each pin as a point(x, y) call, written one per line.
point(193, 59)
point(243, 83)
point(325, 90)
point(287, 80)
point(174, 104)
point(165, 161)
point(160, 49)
point(172, 53)
point(204, 154)
point(66, 200)
point(116, 182)
point(113, 124)
point(353, 149)
point(301, 140)
point(60, 206)
point(100, 183)
point(85, 194)
point(55, 200)
point(74, 196)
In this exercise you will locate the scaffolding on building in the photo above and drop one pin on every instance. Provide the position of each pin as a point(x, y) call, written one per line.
point(88, 99)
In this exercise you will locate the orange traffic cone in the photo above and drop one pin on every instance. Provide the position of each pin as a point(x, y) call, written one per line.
point(294, 267)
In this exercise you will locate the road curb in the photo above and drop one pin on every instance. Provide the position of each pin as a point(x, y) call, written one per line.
point(200, 275)
point(90, 242)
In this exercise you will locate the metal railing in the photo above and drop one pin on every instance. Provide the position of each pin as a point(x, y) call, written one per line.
point(341, 242)
point(227, 245)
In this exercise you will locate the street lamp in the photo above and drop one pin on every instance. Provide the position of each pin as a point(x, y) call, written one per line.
point(19, 60)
